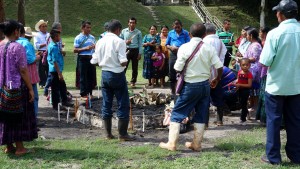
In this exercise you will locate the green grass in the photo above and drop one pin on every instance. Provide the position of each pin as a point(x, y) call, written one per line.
point(241, 149)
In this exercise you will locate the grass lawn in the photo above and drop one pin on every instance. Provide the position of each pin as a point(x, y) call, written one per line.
point(241, 149)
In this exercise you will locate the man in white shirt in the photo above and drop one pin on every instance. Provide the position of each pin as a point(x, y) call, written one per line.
point(216, 94)
point(196, 89)
point(41, 39)
point(110, 55)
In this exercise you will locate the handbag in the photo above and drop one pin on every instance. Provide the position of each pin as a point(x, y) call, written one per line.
point(180, 76)
point(10, 99)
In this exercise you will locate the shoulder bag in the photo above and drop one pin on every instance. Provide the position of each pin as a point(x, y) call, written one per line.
point(10, 99)
point(180, 80)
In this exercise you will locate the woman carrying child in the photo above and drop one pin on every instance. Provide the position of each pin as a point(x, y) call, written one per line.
point(149, 42)
point(158, 59)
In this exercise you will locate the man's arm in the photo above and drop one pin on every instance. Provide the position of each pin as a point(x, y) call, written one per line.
point(122, 54)
point(140, 43)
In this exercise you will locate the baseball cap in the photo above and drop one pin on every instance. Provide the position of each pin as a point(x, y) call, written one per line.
point(286, 6)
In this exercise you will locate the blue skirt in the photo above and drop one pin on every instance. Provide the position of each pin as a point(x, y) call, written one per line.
point(147, 66)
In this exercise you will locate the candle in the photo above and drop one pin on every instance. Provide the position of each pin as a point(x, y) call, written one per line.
point(68, 114)
point(143, 121)
point(10, 85)
point(58, 112)
point(98, 92)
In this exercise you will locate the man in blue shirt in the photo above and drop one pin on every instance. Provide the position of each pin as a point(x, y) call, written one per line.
point(84, 45)
point(176, 38)
point(133, 39)
point(281, 53)
point(56, 66)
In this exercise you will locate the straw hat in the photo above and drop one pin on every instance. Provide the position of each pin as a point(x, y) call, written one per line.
point(39, 23)
point(28, 32)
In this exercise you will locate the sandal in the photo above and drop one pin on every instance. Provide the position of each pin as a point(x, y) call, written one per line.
point(27, 151)
point(7, 151)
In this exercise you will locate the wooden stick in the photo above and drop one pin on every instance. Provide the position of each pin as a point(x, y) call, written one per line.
point(130, 117)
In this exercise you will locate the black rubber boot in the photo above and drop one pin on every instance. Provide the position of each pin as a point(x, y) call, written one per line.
point(122, 127)
point(219, 116)
point(107, 126)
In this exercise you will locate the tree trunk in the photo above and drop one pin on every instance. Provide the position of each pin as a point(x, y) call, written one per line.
point(56, 11)
point(262, 22)
point(2, 13)
point(21, 11)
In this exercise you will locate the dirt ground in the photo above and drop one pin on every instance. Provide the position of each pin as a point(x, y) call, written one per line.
point(54, 129)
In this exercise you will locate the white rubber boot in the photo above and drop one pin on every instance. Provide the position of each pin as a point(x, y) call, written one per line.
point(173, 137)
point(198, 136)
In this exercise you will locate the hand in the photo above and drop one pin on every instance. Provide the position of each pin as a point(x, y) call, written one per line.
point(128, 42)
point(31, 96)
point(37, 57)
point(160, 68)
point(214, 83)
point(139, 57)
point(174, 49)
point(239, 54)
point(231, 43)
point(145, 44)
point(63, 53)
point(60, 77)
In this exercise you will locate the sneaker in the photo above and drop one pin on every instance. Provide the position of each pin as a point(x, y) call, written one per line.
point(132, 84)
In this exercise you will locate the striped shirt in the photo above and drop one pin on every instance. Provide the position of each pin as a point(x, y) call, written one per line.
point(226, 38)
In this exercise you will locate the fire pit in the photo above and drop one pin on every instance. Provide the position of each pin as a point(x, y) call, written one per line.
point(146, 110)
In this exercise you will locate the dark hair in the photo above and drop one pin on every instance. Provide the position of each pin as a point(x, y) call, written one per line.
point(159, 46)
point(245, 60)
point(177, 20)
point(133, 19)
point(290, 14)
point(226, 21)
point(114, 25)
point(9, 26)
point(247, 27)
point(54, 33)
point(265, 29)
point(84, 23)
point(198, 30)
point(106, 25)
point(164, 26)
point(153, 26)
point(22, 29)
point(254, 33)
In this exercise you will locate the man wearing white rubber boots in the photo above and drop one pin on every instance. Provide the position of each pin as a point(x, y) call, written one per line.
point(195, 92)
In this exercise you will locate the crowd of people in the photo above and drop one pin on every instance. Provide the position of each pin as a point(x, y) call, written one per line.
point(256, 73)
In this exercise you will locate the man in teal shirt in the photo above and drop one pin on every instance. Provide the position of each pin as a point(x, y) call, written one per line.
point(281, 53)
point(133, 39)
point(227, 38)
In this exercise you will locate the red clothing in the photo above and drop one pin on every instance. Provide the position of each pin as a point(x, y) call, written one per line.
point(243, 78)
point(238, 41)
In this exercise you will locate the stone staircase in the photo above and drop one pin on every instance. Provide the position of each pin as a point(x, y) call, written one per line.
point(204, 14)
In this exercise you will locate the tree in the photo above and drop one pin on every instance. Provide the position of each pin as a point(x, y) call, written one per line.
point(21, 11)
point(2, 13)
point(263, 11)
point(56, 11)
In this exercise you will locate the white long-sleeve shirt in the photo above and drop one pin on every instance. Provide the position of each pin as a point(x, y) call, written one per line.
point(39, 39)
point(110, 52)
point(198, 70)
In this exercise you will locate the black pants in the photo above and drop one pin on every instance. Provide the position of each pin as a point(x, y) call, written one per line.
point(227, 57)
point(43, 70)
point(243, 96)
point(59, 90)
point(87, 74)
point(133, 56)
point(172, 71)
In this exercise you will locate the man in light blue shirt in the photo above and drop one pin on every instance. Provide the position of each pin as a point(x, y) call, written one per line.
point(84, 45)
point(176, 38)
point(133, 39)
point(281, 53)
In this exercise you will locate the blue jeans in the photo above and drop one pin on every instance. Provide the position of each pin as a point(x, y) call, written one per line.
point(193, 96)
point(48, 84)
point(114, 84)
point(36, 99)
point(276, 107)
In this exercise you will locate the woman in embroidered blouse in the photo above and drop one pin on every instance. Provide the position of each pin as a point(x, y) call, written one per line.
point(253, 53)
point(149, 42)
point(163, 39)
point(13, 129)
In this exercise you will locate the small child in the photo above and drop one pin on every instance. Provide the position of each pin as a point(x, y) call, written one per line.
point(244, 83)
point(56, 65)
point(158, 64)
